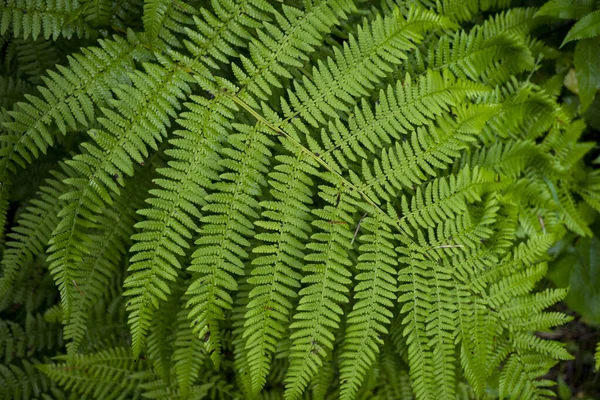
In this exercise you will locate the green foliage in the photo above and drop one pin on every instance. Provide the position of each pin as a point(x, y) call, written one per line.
point(586, 31)
point(304, 199)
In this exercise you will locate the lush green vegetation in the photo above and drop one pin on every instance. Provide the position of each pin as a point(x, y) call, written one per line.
point(302, 199)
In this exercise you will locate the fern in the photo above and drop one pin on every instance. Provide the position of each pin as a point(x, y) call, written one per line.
point(266, 200)
point(34, 17)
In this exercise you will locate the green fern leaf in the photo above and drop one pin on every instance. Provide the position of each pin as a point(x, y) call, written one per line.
point(327, 277)
point(276, 272)
point(188, 355)
point(174, 204)
point(375, 295)
point(215, 37)
point(364, 61)
point(164, 19)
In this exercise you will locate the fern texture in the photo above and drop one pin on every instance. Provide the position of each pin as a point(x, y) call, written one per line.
point(265, 200)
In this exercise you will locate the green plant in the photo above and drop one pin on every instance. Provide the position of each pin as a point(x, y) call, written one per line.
point(326, 197)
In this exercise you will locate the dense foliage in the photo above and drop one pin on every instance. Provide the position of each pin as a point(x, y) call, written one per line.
point(308, 199)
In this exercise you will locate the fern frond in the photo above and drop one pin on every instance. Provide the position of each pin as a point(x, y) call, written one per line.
point(323, 382)
point(35, 57)
point(414, 283)
point(228, 226)
point(170, 222)
point(24, 381)
point(35, 336)
point(443, 198)
point(286, 45)
point(199, 152)
point(521, 377)
point(50, 18)
point(411, 103)
point(164, 19)
point(188, 355)
point(216, 36)
point(240, 353)
point(275, 275)
point(525, 253)
point(396, 383)
point(124, 14)
point(95, 12)
point(432, 298)
point(110, 374)
point(105, 254)
point(589, 188)
point(479, 56)
point(334, 86)
point(374, 295)
point(410, 162)
point(461, 11)
point(327, 276)
point(160, 343)
point(527, 112)
point(68, 98)
point(479, 331)
point(301, 31)
point(518, 20)
point(571, 215)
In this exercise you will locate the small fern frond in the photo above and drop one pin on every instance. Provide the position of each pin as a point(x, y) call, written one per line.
point(396, 382)
point(519, 21)
point(24, 381)
point(479, 56)
point(411, 162)
point(286, 45)
point(67, 99)
point(160, 343)
point(399, 109)
point(106, 252)
point(479, 330)
point(522, 377)
point(35, 57)
point(276, 272)
point(443, 198)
